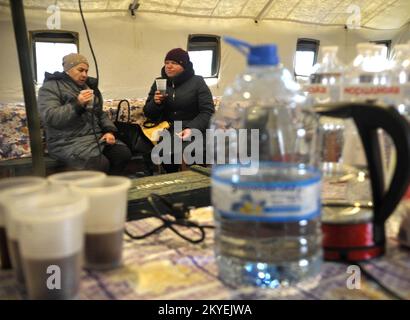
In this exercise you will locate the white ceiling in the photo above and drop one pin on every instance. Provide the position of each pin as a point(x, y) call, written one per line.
point(377, 14)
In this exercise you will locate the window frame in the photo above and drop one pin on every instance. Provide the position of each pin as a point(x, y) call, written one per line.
point(387, 43)
point(213, 44)
point(306, 44)
point(51, 36)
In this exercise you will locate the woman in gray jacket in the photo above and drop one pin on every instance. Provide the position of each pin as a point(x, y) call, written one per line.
point(78, 132)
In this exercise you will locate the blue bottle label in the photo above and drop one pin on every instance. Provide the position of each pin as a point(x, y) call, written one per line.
point(284, 201)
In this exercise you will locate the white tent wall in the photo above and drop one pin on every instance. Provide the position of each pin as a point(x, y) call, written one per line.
point(130, 51)
point(403, 36)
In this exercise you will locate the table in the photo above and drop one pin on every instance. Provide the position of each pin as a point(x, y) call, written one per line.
point(164, 266)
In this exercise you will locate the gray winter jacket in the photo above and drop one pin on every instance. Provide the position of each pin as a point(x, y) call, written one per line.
point(69, 127)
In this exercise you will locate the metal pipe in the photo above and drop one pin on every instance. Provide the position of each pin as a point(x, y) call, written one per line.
point(264, 10)
point(33, 120)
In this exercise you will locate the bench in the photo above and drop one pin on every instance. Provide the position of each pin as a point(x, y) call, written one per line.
point(23, 166)
point(15, 153)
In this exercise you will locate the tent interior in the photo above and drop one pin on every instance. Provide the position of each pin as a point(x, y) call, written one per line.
point(274, 234)
point(130, 45)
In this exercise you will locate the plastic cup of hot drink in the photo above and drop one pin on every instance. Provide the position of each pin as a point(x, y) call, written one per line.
point(104, 221)
point(70, 177)
point(161, 85)
point(9, 253)
point(50, 230)
point(90, 104)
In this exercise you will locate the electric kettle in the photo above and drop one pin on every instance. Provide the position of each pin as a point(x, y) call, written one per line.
point(355, 230)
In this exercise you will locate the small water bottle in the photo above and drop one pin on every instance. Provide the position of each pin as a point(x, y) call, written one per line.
point(265, 178)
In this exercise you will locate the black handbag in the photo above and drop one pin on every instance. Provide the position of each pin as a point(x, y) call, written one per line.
point(128, 132)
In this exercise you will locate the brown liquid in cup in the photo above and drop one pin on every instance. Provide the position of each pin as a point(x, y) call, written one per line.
point(5, 261)
point(37, 277)
point(103, 250)
point(15, 255)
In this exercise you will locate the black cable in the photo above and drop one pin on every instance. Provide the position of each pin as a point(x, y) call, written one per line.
point(175, 215)
point(97, 140)
point(89, 41)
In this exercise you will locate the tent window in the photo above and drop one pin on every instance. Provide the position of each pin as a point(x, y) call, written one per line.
point(387, 46)
point(204, 52)
point(49, 48)
point(305, 58)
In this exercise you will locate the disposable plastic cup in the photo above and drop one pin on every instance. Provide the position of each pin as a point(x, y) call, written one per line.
point(161, 85)
point(50, 229)
point(104, 221)
point(14, 184)
point(69, 177)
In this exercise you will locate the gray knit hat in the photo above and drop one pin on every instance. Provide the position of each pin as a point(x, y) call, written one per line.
point(72, 59)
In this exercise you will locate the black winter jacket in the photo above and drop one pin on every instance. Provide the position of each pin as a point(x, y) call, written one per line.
point(189, 100)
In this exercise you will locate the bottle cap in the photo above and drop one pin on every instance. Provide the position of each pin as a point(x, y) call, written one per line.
point(257, 55)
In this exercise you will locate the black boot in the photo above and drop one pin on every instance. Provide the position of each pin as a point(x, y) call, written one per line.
point(148, 165)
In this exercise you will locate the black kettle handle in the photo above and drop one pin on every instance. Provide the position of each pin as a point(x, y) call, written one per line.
point(368, 119)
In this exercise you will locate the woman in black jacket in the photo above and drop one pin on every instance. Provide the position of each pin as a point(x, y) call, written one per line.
point(187, 99)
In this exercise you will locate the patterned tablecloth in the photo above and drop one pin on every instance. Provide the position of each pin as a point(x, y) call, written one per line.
point(164, 266)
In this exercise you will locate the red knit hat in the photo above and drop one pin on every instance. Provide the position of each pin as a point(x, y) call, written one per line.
point(179, 55)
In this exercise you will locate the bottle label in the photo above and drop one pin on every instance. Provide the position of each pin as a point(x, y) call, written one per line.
point(278, 201)
point(387, 94)
point(317, 89)
point(322, 93)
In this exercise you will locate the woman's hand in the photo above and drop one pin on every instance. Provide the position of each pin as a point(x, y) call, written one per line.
point(184, 134)
point(158, 97)
point(109, 138)
point(85, 96)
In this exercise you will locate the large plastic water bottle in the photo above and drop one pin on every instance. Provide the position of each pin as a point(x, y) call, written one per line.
point(401, 77)
point(265, 181)
point(325, 83)
point(369, 79)
point(325, 86)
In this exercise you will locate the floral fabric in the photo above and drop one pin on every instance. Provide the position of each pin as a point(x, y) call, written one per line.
point(14, 135)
